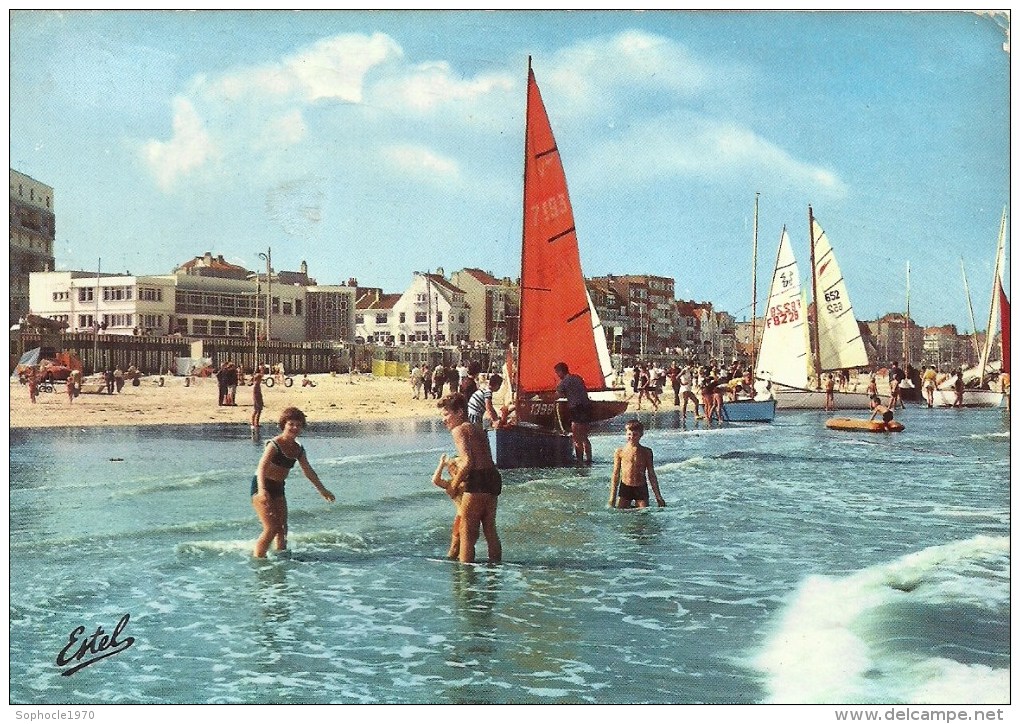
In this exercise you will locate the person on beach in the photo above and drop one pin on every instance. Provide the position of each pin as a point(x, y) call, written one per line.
point(880, 409)
point(633, 472)
point(478, 477)
point(872, 390)
point(958, 387)
point(456, 493)
point(479, 404)
point(896, 377)
point(70, 389)
point(686, 392)
point(118, 379)
point(231, 377)
point(573, 388)
point(267, 486)
point(416, 380)
point(928, 382)
point(108, 379)
point(426, 381)
point(830, 392)
point(256, 398)
point(305, 382)
point(438, 379)
point(33, 385)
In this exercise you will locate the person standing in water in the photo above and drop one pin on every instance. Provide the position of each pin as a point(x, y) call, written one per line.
point(477, 476)
point(267, 494)
point(573, 388)
point(633, 472)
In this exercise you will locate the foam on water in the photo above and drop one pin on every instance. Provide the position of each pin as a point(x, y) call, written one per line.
point(836, 642)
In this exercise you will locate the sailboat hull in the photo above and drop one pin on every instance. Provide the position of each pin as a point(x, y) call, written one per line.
point(545, 410)
point(749, 411)
point(791, 399)
point(971, 398)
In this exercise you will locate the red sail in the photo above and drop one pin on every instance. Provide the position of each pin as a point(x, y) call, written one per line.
point(555, 324)
point(1004, 326)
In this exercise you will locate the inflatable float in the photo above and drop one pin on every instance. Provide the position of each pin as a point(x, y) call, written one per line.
point(847, 423)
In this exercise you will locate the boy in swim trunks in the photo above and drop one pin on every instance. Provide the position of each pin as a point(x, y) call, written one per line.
point(880, 409)
point(456, 495)
point(633, 471)
point(478, 477)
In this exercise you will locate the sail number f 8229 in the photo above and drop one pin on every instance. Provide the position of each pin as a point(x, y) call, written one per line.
point(783, 313)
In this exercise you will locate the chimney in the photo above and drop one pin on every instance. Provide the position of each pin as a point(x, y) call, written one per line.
point(352, 282)
point(304, 267)
point(208, 257)
point(440, 272)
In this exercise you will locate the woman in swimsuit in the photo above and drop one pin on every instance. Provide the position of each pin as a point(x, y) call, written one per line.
point(267, 495)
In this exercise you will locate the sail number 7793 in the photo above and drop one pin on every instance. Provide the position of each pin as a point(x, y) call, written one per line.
point(549, 209)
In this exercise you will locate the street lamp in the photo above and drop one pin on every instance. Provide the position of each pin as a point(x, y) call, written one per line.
point(268, 256)
point(255, 314)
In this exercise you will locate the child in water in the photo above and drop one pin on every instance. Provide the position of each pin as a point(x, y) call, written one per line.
point(452, 465)
point(633, 471)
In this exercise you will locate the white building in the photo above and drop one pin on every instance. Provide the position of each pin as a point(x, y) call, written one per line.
point(194, 306)
point(431, 311)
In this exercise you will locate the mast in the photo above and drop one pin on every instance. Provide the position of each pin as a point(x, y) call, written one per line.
point(994, 306)
point(970, 306)
point(906, 323)
point(754, 281)
point(524, 217)
point(814, 296)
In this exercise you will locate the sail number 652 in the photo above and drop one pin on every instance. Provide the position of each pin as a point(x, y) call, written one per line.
point(833, 303)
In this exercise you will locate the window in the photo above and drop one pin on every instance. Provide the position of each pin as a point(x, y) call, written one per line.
point(298, 307)
point(439, 317)
point(149, 294)
point(61, 296)
point(276, 305)
point(118, 320)
point(85, 320)
point(461, 318)
point(380, 319)
point(403, 318)
point(218, 328)
point(200, 326)
point(420, 317)
point(235, 329)
point(86, 294)
point(288, 308)
point(359, 318)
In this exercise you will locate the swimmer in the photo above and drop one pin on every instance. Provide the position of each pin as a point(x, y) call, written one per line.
point(456, 493)
point(267, 496)
point(633, 471)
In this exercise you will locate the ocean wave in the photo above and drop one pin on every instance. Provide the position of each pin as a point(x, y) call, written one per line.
point(997, 436)
point(871, 636)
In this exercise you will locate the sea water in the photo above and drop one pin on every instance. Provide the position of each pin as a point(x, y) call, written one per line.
point(792, 564)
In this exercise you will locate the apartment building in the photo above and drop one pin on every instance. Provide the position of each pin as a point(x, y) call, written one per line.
point(32, 229)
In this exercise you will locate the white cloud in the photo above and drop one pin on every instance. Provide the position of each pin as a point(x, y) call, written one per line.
point(686, 144)
point(188, 149)
point(332, 68)
point(427, 86)
point(285, 130)
point(421, 162)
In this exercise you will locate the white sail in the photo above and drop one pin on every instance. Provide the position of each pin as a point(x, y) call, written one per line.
point(783, 357)
point(839, 337)
point(993, 311)
point(601, 345)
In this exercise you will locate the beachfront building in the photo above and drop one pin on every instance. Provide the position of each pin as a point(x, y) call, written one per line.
point(374, 316)
point(897, 338)
point(612, 311)
point(650, 319)
point(945, 348)
point(494, 304)
point(432, 311)
point(223, 301)
point(330, 312)
point(33, 229)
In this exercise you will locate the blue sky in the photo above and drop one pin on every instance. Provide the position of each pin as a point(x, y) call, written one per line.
point(373, 144)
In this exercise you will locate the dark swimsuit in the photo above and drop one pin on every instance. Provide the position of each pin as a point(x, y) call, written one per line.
point(487, 480)
point(628, 493)
point(274, 488)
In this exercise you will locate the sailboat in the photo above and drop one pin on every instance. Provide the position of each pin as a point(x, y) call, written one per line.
point(945, 396)
point(763, 407)
point(788, 351)
point(557, 323)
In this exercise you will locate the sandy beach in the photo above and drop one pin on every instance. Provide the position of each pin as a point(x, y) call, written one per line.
point(339, 398)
